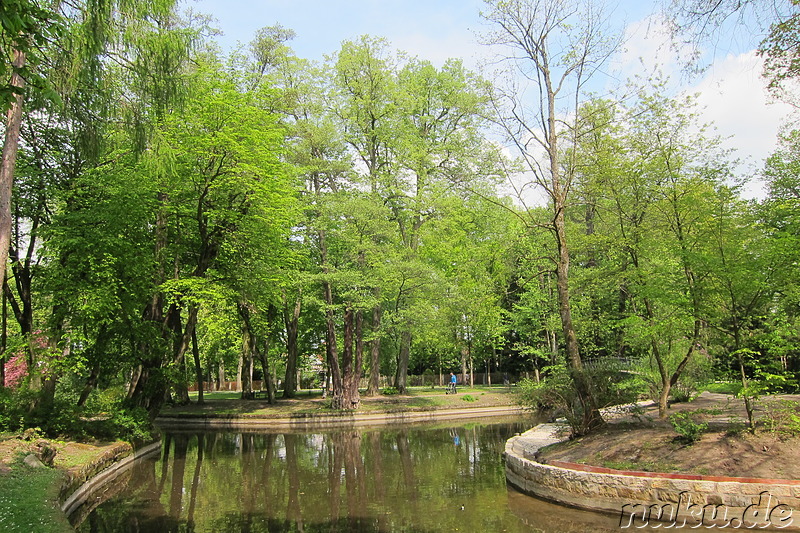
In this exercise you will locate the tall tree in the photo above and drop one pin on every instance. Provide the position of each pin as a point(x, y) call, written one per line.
point(364, 79)
point(562, 45)
point(24, 29)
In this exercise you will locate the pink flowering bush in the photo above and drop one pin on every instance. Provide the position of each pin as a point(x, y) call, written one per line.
point(16, 370)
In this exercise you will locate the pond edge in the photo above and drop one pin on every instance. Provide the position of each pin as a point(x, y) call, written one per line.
point(107, 468)
point(110, 466)
point(641, 497)
point(343, 420)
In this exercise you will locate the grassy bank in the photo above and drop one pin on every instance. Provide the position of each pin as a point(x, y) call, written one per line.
point(29, 499)
point(311, 402)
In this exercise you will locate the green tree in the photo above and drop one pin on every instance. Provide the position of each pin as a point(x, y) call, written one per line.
point(563, 45)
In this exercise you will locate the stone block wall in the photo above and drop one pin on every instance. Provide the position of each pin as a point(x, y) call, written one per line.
point(639, 498)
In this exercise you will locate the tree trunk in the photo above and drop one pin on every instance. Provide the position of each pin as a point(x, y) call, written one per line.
point(464, 365)
point(591, 414)
point(3, 341)
point(291, 321)
point(471, 366)
point(151, 356)
point(91, 383)
point(350, 374)
point(248, 347)
point(403, 357)
point(264, 356)
point(331, 349)
point(239, 369)
point(198, 368)
point(269, 386)
point(748, 402)
point(358, 364)
point(375, 351)
point(9, 156)
point(182, 344)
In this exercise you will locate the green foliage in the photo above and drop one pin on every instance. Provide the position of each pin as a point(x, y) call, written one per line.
point(782, 417)
point(390, 391)
point(25, 26)
point(130, 423)
point(689, 431)
point(105, 417)
point(723, 387)
point(556, 392)
point(469, 398)
point(172, 180)
point(692, 380)
point(613, 382)
point(6, 402)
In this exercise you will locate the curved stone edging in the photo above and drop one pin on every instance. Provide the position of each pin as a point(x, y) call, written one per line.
point(327, 421)
point(110, 469)
point(641, 497)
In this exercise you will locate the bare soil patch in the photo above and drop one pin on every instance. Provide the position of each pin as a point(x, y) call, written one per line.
point(644, 443)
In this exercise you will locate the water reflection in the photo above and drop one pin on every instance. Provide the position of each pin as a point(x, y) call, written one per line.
point(406, 479)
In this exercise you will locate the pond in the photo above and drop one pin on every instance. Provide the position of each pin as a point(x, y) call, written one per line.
point(401, 478)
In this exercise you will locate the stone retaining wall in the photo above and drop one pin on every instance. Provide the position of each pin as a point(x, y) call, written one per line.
point(84, 483)
point(329, 421)
point(639, 498)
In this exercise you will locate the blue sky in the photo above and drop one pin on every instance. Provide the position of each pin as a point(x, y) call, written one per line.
point(432, 29)
point(731, 90)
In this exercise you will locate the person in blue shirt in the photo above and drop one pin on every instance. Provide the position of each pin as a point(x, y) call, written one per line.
point(453, 380)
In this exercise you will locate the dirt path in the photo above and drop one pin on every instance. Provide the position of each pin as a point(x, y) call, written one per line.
point(643, 442)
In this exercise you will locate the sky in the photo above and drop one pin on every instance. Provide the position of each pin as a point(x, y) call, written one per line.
point(732, 94)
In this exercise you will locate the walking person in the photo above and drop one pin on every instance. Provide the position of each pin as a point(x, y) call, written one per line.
point(452, 388)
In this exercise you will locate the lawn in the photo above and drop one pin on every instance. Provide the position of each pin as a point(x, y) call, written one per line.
point(310, 402)
point(28, 500)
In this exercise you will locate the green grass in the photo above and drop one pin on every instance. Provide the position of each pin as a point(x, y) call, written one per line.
point(28, 500)
point(310, 402)
point(723, 387)
point(639, 466)
point(317, 393)
point(235, 395)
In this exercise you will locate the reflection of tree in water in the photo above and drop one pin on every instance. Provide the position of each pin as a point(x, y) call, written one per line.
point(198, 465)
point(404, 450)
point(294, 513)
point(142, 510)
point(389, 480)
point(178, 468)
point(262, 523)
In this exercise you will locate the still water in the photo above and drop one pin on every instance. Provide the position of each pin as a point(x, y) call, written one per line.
point(406, 478)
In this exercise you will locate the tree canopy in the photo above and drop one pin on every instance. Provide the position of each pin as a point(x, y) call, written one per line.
point(180, 219)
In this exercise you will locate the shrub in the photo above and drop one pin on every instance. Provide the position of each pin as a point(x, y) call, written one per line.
point(688, 430)
point(5, 409)
point(390, 391)
point(469, 398)
point(691, 381)
point(556, 393)
point(782, 417)
point(132, 424)
point(16, 370)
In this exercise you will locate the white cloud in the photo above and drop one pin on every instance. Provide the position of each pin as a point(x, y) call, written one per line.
point(733, 95)
point(649, 50)
point(439, 48)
